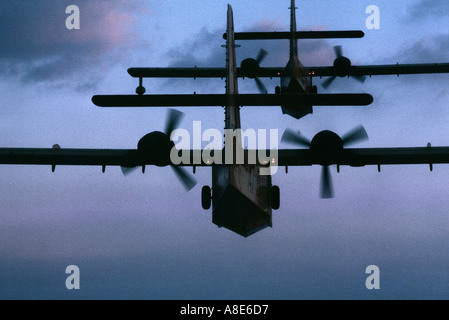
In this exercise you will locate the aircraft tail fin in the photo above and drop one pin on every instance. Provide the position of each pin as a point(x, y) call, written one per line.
point(232, 108)
point(293, 33)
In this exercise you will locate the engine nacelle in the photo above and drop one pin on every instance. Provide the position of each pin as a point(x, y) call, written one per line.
point(155, 148)
point(342, 66)
point(326, 147)
point(250, 68)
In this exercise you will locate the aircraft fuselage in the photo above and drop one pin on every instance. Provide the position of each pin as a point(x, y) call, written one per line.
point(241, 196)
point(295, 78)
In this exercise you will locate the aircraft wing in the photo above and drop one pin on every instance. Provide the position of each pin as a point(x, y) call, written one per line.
point(195, 100)
point(370, 156)
point(177, 72)
point(355, 157)
point(82, 157)
point(276, 72)
point(196, 72)
point(391, 69)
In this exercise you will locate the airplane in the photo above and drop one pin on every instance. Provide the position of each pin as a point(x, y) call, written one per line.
point(296, 93)
point(242, 198)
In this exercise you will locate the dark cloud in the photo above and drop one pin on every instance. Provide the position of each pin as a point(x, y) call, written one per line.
point(37, 46)
point(205, 49)
point(434, 49)
point(429, 8)
point(425, 50)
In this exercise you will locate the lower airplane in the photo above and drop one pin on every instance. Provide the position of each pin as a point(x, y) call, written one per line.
point(242, 198)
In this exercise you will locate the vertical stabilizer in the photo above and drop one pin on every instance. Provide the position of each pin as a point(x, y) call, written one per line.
point(293, 39)
point(232, 109)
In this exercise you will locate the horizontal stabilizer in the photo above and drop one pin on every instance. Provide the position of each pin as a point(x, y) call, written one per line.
point(219, 100)
point(198, 72)
point(299, 35)
point(177, 72)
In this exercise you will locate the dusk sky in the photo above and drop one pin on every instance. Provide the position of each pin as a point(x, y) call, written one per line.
point(145, 237)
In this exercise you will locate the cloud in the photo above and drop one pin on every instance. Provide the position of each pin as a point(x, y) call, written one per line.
point(435, 49)
point(37, 46)
point(429, 8)
point(425, 50)
point(204, 49)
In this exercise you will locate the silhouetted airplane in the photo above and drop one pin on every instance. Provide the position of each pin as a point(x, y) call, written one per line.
point(296, 93)
point(242, 198)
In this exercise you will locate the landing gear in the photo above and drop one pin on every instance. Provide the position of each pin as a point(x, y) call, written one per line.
point(315, 89)
point(277, 90)
point(206, 197)
point(275, 197)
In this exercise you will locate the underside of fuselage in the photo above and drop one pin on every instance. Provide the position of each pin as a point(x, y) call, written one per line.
point(241, 199)
point(294, 81)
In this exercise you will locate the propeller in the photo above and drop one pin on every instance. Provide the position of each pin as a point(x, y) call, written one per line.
point(172, 122)
point(342, 68)
point(187, 180)
point(261, 56)
point(158, 145)
point(326, 148)
point(326, 185)
point(295, 137)
point(251, 67)
point(355, 135)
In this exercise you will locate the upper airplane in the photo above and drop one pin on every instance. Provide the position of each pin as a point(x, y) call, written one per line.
point(296, 93)
point(242, 198)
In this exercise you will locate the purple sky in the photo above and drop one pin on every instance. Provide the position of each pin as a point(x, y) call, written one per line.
point(143, 236)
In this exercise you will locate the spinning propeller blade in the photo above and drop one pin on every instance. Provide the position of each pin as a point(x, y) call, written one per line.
point(173, 119)
point(328, 82)
point(342, 68)
point(128, 170)
point(261, 56)
point(260, 86)
point(186, 179)
point(355, 135)
point(250, 68)
point(326, 188)
point(338, 50)
point(295, 137)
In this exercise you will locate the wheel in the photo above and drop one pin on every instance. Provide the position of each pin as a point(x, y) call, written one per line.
point(277, 90)
point(206, 197)
point(275, 197)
